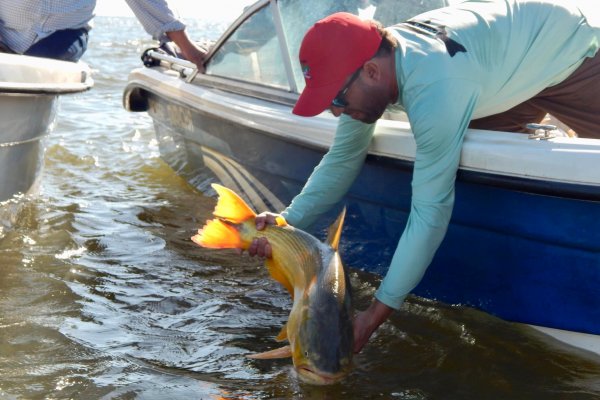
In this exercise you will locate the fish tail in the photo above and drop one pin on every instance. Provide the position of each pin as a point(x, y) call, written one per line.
point(231, 207)
point(218, 234)
point(221, 232)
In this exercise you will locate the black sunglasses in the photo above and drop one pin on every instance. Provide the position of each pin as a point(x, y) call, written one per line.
point(340, 99)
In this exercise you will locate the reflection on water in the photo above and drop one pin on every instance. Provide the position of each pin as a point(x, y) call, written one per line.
point(103, 295)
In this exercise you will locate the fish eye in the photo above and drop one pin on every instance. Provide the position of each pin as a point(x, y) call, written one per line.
point(306, 354)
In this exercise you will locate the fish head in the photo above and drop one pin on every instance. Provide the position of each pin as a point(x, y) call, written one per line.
point(323, 348)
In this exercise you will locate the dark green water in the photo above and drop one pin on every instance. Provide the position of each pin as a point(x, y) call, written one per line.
point(103, 295)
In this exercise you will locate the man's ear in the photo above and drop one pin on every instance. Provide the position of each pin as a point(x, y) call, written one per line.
point(372, 71)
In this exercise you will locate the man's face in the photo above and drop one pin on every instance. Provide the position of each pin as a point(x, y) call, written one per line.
point(361, 101)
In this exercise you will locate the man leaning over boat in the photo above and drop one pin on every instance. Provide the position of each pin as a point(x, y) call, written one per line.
point(59, 29)
point(496, 64)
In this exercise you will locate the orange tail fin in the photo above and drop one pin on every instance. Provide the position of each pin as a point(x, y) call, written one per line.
point(217, 234)
point(231, 207)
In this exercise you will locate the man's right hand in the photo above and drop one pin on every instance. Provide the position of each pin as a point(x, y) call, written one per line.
point(264, 219)
point(260, 246)
point(366, 322)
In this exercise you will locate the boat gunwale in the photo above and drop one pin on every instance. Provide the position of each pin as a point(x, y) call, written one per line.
point(20, 88)
point(392, 139)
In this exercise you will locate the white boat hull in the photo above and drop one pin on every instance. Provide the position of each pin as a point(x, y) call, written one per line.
point(30, 88)
point(24, 121)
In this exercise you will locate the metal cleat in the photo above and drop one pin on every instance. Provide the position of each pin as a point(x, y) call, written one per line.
point(542, 131)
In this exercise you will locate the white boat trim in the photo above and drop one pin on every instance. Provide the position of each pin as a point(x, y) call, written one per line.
point(45, 88)
point(24, 74)
point(580, 340)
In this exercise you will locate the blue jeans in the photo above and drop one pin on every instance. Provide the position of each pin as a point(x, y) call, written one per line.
point(66, 45)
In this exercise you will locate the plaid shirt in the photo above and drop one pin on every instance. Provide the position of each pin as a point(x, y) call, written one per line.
point(25, 22)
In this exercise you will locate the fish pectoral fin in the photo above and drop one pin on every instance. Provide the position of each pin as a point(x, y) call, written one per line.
point(278, 275)
point(282, 334)
point(282, 352)
point(312, 286)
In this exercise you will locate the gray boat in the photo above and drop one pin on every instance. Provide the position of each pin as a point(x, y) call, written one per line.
point(30, 88)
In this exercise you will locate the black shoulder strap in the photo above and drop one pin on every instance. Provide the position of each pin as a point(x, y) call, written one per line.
point(437, 31)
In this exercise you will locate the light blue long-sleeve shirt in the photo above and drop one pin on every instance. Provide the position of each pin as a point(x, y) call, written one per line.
point(24, 22)
point(514, 50)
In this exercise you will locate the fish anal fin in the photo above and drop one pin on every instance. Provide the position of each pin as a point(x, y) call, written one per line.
point(217, 234)
point(335, 230)
point(277, 274)
point(230, 206)
point(282, 352)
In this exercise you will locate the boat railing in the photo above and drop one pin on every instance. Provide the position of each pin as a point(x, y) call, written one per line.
point(187, 70)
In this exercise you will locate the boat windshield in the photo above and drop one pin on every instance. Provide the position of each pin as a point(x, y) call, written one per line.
point(252, 53)
point(299, 15)
point(264, 47)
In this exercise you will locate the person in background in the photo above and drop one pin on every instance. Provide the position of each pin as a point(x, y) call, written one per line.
point(59, 29)
point(490, 64)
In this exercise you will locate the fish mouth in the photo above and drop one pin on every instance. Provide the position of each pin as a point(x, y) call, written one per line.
point(313, 377)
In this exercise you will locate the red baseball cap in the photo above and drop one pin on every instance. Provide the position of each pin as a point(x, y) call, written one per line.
point(332, 50)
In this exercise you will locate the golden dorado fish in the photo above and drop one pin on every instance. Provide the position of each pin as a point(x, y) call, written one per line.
point(319, 328)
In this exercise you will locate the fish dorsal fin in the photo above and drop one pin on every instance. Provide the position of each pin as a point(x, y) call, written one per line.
point(335, 230)
point(282, 334)
point(282, 352)
point(277, 273)
point(230, 206)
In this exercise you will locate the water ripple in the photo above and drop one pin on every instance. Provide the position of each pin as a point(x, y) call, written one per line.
point(103, 295)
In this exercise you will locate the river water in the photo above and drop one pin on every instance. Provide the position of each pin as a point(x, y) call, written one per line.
point(103, 295)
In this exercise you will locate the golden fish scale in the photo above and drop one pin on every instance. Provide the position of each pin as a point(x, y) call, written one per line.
point(296, 254)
